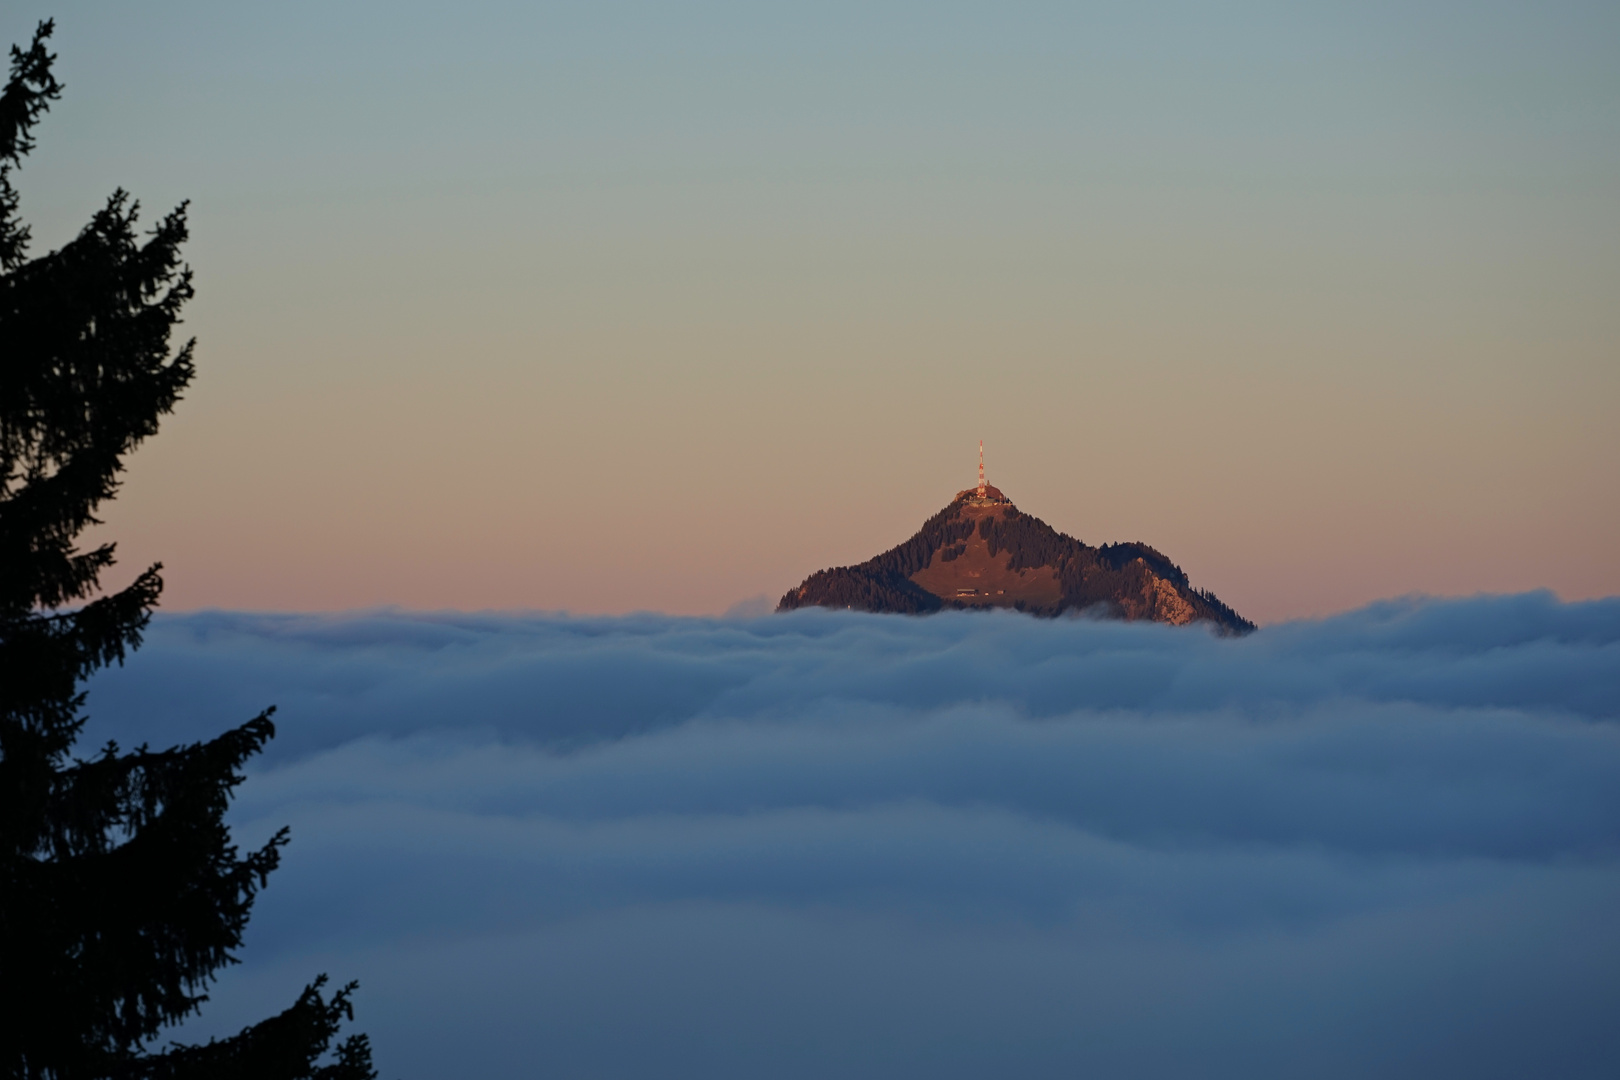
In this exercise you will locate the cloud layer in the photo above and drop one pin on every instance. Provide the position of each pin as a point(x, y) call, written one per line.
point(831, 844)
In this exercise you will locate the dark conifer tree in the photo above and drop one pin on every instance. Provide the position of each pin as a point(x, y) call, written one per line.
point(121, 894)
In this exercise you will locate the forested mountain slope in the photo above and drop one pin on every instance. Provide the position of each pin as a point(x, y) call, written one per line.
point(981, 551)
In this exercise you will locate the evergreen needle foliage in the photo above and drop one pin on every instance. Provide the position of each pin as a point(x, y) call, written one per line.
point(121, 894)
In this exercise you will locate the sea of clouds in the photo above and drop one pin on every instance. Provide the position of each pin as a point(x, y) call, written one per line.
point(968, 845)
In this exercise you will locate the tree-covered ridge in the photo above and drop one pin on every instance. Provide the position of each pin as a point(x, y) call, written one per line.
point(1091, 575)
point(883, 583)
point(1129, 580)
point(858, 588)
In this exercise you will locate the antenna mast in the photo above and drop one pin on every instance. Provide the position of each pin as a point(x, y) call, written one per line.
point(981, 468)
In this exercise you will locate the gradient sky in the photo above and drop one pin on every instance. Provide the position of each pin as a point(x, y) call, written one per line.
point(617, 306)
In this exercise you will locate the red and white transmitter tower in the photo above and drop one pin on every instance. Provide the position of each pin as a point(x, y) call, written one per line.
point(981, 468)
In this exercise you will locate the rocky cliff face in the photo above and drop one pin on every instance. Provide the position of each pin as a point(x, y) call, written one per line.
point(982, 552)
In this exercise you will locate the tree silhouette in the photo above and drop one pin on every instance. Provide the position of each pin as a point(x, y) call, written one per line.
point(121, 894)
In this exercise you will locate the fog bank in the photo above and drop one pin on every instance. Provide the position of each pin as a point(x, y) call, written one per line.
point(830, 843)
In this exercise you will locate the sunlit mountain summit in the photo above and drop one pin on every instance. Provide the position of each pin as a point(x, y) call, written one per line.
point(981, 551)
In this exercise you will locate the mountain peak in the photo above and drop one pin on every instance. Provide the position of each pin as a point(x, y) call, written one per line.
point(981, 551)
